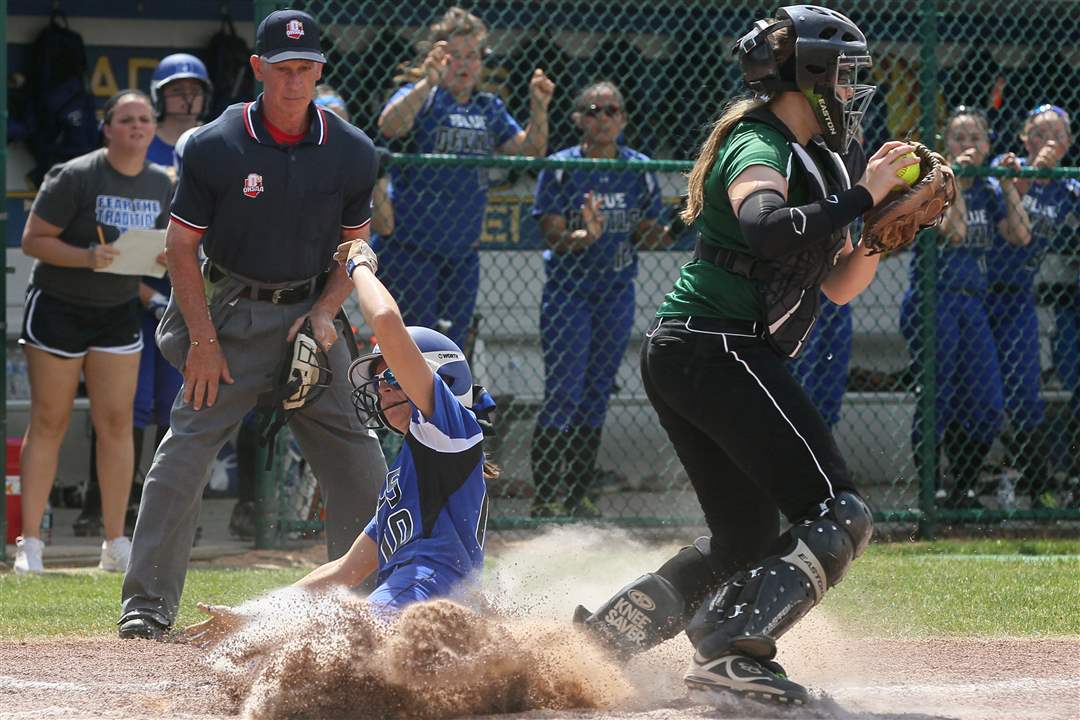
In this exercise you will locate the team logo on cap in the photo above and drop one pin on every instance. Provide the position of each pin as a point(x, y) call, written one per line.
point(294, 29)
point(253, 185)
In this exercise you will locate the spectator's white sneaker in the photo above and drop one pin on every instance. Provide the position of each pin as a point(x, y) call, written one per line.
point(115, 555)
point(28, 556)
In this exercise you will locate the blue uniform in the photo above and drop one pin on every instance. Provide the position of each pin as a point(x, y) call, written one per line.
point(587, 308)
point(969, 382)
point(431, 263)
point(1066, 346)
point(822, 366)
point(431, 519)
point(1011, 303)
point(159, 381)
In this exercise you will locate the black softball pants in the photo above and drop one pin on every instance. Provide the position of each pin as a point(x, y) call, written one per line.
point(748, 436)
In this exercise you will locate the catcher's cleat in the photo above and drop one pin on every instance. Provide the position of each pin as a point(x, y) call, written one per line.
point(744, 675)
point(144, 627)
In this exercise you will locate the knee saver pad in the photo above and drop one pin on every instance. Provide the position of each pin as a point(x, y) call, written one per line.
point(640, 616)
point(754, 608)
point(691, 573)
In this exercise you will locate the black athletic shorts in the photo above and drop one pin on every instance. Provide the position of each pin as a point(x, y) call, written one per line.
point(68, 330)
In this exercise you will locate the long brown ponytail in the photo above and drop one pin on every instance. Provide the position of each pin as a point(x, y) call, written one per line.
point(782, 42)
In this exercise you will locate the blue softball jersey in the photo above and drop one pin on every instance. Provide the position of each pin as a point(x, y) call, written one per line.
point(433, 506)
point(441, 209)
point(1049, 207)
point(962, 268)
point(625, 198)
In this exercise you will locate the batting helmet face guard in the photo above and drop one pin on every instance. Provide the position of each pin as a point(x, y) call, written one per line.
point(442, 355)
point(179, 66)
point(830, 52)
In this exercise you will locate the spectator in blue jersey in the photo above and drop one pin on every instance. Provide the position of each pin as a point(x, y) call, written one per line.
point(432, 263)
point(593, 222)
point(822, 367)
point(180, 92)
point(969, 401)
point(426, 538)
point(1051, 205)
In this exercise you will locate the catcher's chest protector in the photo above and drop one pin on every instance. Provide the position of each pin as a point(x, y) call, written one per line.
point(792, 293)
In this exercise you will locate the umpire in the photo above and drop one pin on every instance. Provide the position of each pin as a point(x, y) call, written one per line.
point(269, 189)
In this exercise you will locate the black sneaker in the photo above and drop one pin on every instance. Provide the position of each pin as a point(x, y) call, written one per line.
point(744, 675)
point(142, 627)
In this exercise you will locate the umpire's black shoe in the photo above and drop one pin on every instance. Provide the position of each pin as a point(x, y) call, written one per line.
point(744, 675)
point(134, 627)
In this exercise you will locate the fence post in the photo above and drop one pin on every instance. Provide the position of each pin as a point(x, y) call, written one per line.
point(926, 453)
point(266, 507)
point(3, 275)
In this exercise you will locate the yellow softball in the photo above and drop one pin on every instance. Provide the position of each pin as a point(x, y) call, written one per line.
point(909, 174)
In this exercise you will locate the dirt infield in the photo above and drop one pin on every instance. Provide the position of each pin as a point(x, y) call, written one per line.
point(326, 657)
point(883, 680)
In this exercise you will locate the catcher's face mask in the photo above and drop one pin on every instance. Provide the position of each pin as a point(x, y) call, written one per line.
point(840, 100)
point(303, 376)
point(308, 372)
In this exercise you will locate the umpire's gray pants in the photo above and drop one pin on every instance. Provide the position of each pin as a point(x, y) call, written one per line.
point(346, 458)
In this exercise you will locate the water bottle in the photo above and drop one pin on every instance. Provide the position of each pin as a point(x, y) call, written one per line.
point(47, 525)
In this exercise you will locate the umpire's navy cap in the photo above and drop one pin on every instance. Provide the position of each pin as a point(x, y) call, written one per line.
point(288, 35)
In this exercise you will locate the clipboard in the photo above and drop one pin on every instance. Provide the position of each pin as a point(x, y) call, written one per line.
point(139, 250)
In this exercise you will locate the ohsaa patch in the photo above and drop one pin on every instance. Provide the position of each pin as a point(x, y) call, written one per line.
point(294, 29)
point(253, 185)
point(642, 600)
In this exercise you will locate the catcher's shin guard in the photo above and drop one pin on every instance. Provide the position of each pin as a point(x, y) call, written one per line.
point(754, 608)
point(656, 606)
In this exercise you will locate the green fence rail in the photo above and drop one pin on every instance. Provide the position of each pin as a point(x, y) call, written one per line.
point(952, 404)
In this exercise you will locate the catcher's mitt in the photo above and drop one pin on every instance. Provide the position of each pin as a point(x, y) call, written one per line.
point(891, 225)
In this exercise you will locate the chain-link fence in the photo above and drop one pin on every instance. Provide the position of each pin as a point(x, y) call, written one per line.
point(949, 383)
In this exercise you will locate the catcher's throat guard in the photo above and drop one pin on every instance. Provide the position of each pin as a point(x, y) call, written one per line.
point(302, 377)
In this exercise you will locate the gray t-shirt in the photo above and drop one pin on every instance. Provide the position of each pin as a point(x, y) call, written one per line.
point(82, 194)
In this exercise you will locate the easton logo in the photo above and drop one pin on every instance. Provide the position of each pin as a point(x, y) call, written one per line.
point(253, 185)
point(642, 600)
point(294, 29)
point(827, 115)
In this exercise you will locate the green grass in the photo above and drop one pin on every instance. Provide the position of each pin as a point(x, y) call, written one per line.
point(88, 602)
point(888, 594)
point(982, 588)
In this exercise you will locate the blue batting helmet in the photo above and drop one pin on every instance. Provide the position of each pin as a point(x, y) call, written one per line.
point(444, 358)
point(178, 67)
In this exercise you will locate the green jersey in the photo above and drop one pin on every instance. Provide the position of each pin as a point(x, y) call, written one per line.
point(705, 289)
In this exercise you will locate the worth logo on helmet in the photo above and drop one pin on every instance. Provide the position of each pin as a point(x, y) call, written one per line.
point(294, 29)
point(253, 185)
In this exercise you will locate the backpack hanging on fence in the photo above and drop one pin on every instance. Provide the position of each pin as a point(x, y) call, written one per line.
point(227, 63)
point(61, 115)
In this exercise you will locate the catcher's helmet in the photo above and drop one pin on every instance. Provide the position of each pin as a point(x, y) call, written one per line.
point(444, 358)
point(829, 51)
point(178, 67)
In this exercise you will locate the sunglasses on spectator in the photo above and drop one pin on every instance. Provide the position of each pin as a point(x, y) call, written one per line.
point(594, 110)
point(386, 376)
point(1059, 111)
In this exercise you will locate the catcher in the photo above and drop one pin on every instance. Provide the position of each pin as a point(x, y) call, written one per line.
point(773, 191)
point(427, 535)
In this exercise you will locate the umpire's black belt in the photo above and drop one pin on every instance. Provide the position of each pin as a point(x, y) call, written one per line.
point(712, 326)
point(288, 295)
